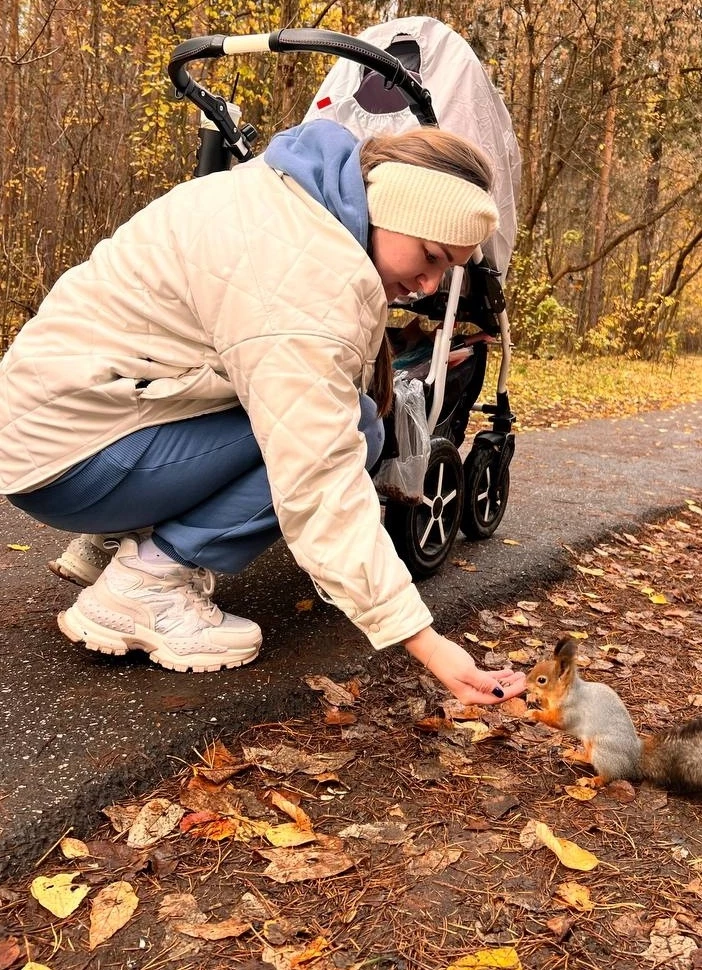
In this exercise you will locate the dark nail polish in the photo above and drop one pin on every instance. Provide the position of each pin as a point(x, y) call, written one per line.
point(498, 692)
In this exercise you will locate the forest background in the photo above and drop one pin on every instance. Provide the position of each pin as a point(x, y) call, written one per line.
point(605, 97)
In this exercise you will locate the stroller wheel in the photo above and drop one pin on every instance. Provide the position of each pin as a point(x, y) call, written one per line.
point(423, 534)
point(485, 493)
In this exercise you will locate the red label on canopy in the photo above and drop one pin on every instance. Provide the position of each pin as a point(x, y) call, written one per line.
point(324, 103)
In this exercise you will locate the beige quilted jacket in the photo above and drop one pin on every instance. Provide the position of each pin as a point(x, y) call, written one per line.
point(235, 288)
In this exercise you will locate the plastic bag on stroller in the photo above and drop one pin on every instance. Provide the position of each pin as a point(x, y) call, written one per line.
point(402, 478)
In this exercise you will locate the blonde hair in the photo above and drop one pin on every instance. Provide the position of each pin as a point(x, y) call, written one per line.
point(430, 148)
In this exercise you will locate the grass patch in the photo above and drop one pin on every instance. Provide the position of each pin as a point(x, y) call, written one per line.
point(563, 391)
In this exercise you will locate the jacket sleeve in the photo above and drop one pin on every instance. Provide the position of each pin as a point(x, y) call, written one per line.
point(304, 409)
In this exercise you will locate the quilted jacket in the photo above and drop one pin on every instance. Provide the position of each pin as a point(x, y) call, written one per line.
point(264, 300)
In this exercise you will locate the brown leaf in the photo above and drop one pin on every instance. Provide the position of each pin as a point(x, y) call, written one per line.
point(235, 827)
point(180, 906)
point(121, 816)
point(286, 760)
point(560, 926)
point(333, 715)
point(213, 931)
point(9, 952)
point(334, 694)
point(155, 820)
point(299, 865)
point(434, 861)
point(297, 814)
point(434, 724)
point(220, 800)
point(112, 909)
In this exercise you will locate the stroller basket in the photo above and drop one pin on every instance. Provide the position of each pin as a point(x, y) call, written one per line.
point(380, 85)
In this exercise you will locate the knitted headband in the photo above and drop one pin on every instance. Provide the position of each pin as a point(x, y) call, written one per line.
point(429, 204)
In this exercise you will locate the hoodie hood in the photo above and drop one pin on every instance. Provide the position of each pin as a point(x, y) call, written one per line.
point(323, 158)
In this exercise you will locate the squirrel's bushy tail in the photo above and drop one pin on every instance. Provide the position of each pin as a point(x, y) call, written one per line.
point(673, 758)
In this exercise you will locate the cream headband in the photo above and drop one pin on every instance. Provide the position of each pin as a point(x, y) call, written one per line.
point(428, 204)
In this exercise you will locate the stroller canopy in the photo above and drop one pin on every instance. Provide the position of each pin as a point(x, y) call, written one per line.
point(464, 100)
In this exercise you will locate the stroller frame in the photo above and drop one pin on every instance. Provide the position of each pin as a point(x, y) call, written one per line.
point(471, 494)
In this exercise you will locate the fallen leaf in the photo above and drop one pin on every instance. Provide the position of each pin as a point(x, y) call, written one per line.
point(666, 944)
point(658, 598)
point(73, 848)
point(112, 909)
point(289, 834)
point(517, 618)
point(570, 854)
point(17, 547)
point(334, 716)
point(9, 952)
point(297, 814)
point(390, 833)
point(334, 693)
point(560, 926)
point(529, 605)
point(511, 542)
point(121, 816)
point(155, 820)
point(579, 793)
point(434, 861)
point(576, 896)
point(588, 571)
point(299, 865)
point(501, 958)
point(236, 827)
point(213, 931)
point(180, 906)
point(520, 656)
point(57, 894)
point(35, 966)
point(286, 760)
point(304, 606)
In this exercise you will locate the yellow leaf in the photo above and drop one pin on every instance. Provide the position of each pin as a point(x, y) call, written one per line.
point(575, 895)
point(570, 854)
point(580, 794)
point(289, 833)
point(17, 547)
point(35, 966)
point(520, 656)
point(74, 849)
point(502, 957)
point(694, 508)
point(511, 542)
point(112, 908)
point(590, 572)
point(56, 893)
point(657, 598)
point(578, 634)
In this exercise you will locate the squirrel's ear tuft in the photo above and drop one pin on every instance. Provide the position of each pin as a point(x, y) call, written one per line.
point(566, 649)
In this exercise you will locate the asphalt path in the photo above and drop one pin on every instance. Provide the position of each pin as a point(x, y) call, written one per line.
point(79, 730)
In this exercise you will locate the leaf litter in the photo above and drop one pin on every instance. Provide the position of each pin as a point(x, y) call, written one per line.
point(421, 834)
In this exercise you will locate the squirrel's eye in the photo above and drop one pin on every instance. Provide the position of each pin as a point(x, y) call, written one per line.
point(541, 680)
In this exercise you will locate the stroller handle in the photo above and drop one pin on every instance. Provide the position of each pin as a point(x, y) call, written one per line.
point(304, 39)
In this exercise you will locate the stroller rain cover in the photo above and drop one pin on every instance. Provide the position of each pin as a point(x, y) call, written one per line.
point(464, 99)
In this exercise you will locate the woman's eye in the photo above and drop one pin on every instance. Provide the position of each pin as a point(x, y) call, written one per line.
point(430, 257)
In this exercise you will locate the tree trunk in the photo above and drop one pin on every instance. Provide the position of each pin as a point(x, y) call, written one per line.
point(601, 205)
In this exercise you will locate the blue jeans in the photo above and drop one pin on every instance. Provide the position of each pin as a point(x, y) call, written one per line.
point(201, 483)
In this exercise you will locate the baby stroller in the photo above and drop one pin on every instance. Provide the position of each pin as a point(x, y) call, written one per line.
point(386, 82)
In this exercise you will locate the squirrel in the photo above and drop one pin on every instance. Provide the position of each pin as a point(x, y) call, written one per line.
point(596, 715)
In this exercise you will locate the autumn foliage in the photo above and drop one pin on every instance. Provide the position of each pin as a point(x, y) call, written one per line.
point(605, 100)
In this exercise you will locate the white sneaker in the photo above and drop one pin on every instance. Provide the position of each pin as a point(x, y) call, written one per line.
point(135, 605)
point(85, 557)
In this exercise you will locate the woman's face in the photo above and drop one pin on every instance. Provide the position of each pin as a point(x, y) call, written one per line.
point(407, 264)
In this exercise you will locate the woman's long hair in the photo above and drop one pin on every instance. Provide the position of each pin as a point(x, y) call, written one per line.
point(434, 149)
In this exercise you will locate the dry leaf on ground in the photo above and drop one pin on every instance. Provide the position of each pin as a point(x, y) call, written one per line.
point(501, 958)
point(298, 865)
point(58, 894)
point(570, 854)
point(226, 929)
point(155, 820)
point(334, 693)
point(73, 848)
point(112, 909)
point(9, 952)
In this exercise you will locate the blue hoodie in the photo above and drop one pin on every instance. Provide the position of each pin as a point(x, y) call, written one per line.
point(323, 157)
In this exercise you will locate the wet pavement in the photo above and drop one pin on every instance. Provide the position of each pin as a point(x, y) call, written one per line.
point(79, 730)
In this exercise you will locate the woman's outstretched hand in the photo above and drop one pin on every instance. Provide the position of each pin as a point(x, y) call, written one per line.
point(456, 670)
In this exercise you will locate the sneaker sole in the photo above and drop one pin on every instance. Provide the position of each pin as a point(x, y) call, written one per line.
point(79, 629)
point(78, 573)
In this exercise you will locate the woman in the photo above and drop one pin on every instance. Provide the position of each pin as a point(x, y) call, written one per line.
point(204, 373)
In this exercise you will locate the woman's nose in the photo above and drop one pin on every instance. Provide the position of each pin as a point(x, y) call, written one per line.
point(429, 282)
